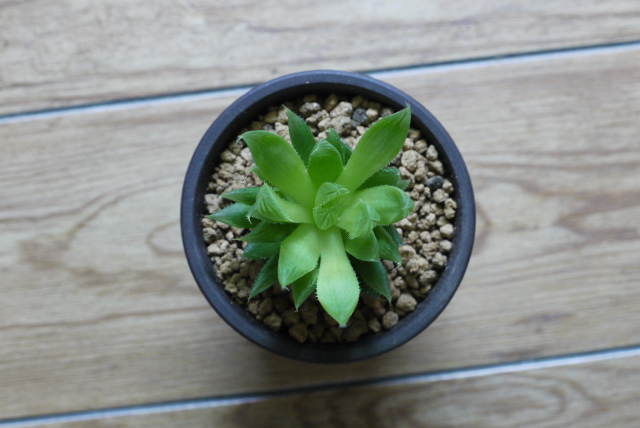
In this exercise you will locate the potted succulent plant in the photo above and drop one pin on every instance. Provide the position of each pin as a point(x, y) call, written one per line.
point(327, 203)
point(323, 218)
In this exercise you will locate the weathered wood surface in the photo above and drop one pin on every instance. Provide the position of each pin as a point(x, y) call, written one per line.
point(71, 52)
point(593, 395)
point(100, 309)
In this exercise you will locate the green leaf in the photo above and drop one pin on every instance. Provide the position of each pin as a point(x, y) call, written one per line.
point(328, 192)
point(386, 176)
point(325, 163)
point(328, 204)
point(327, 215)
point(299, 254)
point(246, 195)
point(341, 146)
point(391, 203)
point(261, 250)
point(402, 184)
point(301, 136)
point(374, 276)
point(337, 286)
point(260, 175)
point(235, 215)
point(358, 219)
point(303, 287)
point(267, 277)
point(363, 248)
point(271, 207)
point(377, 147)
point(269, 232)
point(334, 139)
point(387, 247)
point(281, 165)
point(393, 233)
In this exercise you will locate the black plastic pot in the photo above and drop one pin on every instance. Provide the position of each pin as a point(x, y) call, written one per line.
point(226, 128)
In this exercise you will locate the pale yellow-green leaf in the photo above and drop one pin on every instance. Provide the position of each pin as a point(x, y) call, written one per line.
point(337, 285)
point(299, 254)
point(280, 165)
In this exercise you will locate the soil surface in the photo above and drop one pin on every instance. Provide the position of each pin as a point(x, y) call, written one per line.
point(426, 232)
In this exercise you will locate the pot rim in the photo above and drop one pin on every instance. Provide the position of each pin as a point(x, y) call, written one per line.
point(226, 128)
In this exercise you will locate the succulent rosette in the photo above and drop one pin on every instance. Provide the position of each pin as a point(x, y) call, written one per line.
point(324, 217)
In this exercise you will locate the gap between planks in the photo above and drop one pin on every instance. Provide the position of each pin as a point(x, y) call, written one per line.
point(561, 319)
point(236, 91)
point(136, 50)
point(238, 399)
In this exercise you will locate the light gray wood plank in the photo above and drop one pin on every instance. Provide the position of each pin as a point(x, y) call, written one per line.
point(594, 395)
point(57, 54)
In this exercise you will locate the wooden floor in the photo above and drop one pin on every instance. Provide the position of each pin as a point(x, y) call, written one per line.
point(102, 105)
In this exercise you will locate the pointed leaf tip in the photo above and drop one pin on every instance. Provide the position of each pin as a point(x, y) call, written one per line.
point(280, 165)
point(303, 288)
point(261, 250)
point(325, 163)
point(393, 233)
point(377, 147)
point(302, 138)
point(235, 215)
point(267, 276)
point(245, 195)
point(387, 246)
point(386, 176)
point(374, 275)
point(343, 148)
point(268, 233)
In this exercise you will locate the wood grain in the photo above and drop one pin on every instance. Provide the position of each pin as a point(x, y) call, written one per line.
point(65, 53)
point(593, 395)
point(101, 310)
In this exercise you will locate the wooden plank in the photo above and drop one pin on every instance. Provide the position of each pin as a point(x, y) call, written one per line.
point(67, 53)
point(594, 395)
point(102, 310)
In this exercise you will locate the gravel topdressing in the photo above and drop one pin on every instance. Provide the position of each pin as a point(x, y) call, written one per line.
point(426, 232)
